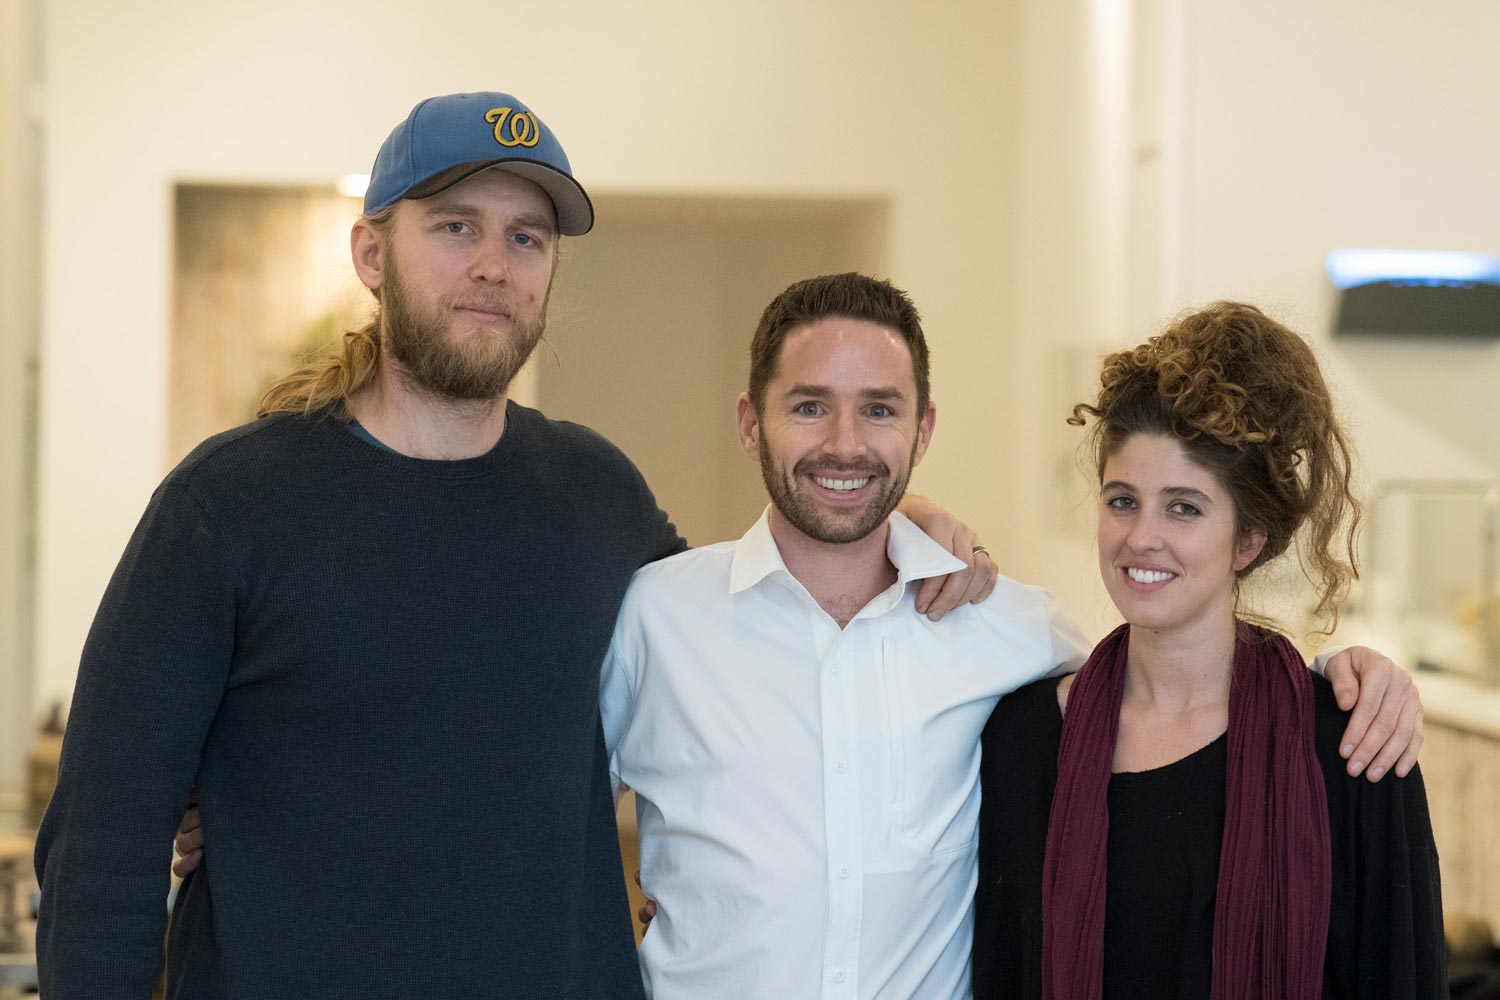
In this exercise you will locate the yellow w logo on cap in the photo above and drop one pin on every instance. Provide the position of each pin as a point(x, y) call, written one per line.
point(514, 129)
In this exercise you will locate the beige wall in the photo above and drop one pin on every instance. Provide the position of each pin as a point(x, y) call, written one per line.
point(1350, 124)
point(659, 374)
point(1070, 252)
point(1236, 146)
point(1061, 175)
point(1359, 128)
point(911, 103)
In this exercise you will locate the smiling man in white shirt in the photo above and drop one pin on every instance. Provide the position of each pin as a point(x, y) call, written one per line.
point(804, 749)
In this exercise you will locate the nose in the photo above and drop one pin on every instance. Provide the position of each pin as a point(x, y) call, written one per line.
point(1145, 533)
point(491, 262)
point(844, 439)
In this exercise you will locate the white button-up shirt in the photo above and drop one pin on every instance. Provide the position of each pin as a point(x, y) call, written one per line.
point(808, 796)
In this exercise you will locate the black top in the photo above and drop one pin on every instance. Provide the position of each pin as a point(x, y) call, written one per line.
point(382, 673)
point(1165, 830)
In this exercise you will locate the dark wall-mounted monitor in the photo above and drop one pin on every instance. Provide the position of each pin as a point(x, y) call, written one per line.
point(1416, 293)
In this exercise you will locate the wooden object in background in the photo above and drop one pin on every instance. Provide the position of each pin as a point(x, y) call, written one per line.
point(41, 776)
point(1461, 768)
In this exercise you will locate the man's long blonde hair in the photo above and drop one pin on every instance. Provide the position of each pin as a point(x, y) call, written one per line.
point(330, 378)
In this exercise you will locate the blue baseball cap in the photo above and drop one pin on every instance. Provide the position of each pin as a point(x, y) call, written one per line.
point(446, 139)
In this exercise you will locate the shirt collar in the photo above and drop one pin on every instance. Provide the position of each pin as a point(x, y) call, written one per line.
point(915, 556)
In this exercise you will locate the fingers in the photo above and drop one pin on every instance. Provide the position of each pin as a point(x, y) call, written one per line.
point(187, 864)
point(1385, 728)
point(1395, 748)
point(1340, 673)
point(188, 841)
point(647, 912)
point(959, 587)
point(1409, 758)
point(1355, 745)
point(981, 579)
point(191, 820)
point(927, 592)
point(939, 595)
point(952, 593)
point(986, 574)
point(1384, 710)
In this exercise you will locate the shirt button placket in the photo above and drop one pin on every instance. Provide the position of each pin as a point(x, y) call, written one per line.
point(844, 825)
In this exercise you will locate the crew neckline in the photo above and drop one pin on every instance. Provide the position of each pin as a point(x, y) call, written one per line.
point(1167, 771)
point(358, 440)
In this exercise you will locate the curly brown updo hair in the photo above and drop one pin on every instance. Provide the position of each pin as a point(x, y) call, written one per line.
point(1247, 401)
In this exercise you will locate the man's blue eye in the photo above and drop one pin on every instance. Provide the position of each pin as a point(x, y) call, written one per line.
point(524, 239)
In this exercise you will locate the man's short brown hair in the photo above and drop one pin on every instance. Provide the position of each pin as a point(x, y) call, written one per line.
point(850, 295)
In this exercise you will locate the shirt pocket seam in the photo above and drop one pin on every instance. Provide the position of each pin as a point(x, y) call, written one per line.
point(896, 736)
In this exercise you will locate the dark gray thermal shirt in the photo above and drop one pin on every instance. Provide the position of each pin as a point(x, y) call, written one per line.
point(382, 675)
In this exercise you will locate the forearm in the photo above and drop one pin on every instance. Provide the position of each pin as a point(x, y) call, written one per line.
point(150, 682)
point(102, 918)
point(102, 858)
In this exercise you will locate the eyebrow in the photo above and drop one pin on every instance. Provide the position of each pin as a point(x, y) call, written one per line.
point(1186, 492)
point(438, 205)
point(533, 220)
point(882, 392)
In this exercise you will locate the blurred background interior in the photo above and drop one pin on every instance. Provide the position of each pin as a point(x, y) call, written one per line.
point(1050, 179)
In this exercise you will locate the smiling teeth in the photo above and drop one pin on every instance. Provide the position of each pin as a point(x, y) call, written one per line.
point(1148, 576)
point(840, 484)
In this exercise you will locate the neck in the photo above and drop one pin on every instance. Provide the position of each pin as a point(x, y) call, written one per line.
point(421, 424)
point(841, 576)
point(1183, 668)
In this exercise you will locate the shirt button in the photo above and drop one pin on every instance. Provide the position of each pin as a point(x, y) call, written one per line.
point(843, 873)
point(839, 766)
point(838, 977)
point(836, 668)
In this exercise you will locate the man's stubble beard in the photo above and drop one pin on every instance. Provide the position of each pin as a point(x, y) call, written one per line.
point(480, 369)
point(801, 511)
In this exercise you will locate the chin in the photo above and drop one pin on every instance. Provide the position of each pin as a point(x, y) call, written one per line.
point(1151, 623)
point(1137, 614)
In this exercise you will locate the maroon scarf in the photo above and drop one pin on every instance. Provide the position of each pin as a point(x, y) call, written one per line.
point(1271, 913)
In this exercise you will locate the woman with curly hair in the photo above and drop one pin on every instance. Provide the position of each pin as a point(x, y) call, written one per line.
point(1175, 821)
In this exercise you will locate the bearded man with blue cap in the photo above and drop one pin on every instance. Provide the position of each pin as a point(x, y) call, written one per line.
point(368, 627)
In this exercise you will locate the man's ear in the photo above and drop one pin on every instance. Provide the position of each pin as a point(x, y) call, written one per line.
point(748, 421)
point(924, 433)
point(1249, 548)
point(365, 244)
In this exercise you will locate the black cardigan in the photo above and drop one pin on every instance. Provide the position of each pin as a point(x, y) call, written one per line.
point(1386, 928)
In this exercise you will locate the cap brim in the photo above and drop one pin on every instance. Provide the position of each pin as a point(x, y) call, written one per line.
point(575, 213)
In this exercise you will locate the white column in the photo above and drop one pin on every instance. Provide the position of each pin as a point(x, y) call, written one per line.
point(20, 247)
